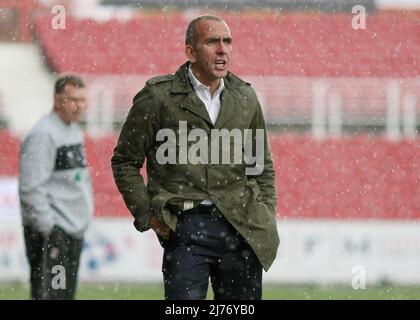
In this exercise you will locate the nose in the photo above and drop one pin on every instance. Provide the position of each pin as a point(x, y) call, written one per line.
point(221, 48)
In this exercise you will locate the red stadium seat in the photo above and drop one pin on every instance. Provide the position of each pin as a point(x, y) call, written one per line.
point(358, 177)
point(9, 154)
point(293, 44)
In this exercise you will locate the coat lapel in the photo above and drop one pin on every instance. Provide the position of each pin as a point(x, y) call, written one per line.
point(191, 102)
point(227, 108)
point(228, 105)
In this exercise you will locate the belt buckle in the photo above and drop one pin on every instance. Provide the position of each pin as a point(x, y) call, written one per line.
point(188, 205)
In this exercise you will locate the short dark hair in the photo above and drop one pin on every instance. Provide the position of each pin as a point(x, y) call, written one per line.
point(191, 33)
point(66, 79)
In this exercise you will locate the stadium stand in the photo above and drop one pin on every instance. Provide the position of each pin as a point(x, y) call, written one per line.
point(357, 177)
point(352, 177)
point(298, 44)
point(9, 154)
point(108, 201)
point(284, 64)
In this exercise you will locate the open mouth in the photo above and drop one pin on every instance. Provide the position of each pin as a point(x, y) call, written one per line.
point(220, 63)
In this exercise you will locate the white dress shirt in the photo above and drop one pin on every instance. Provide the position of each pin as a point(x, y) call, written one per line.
point(203, 92)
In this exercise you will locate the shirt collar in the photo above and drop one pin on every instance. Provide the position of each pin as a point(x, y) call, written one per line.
point(197, 84)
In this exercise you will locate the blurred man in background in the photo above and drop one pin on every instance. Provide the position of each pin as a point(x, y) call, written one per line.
point(55, 193)
point(215, 221)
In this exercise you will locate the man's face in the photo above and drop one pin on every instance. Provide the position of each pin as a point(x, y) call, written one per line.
point(211, 53)
point(71, 103)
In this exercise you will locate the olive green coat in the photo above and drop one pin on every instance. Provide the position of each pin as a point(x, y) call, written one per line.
point(248, 202)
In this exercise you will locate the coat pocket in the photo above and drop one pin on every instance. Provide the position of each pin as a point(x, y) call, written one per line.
point(174, 235)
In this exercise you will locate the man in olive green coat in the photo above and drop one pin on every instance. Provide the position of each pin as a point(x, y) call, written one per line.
point(212, 209)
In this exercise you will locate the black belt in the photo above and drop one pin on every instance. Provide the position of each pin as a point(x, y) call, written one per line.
point(210, 210)
point(202, 208)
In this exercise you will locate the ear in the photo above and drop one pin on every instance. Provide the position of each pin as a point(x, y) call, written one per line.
point(57, 101)
point(189, 52)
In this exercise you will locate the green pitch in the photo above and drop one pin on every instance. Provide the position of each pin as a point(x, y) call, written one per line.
point(152, 291)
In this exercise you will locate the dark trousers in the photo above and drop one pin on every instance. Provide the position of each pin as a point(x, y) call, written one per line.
point(54, 263)
point(206, 246)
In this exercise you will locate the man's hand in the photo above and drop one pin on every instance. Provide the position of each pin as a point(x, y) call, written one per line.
point(159, 227)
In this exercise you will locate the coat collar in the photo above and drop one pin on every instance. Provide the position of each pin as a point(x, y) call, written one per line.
point(229, 104)
point(182, 84)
